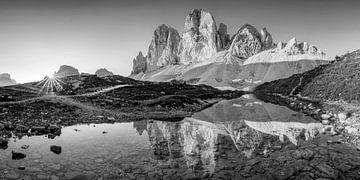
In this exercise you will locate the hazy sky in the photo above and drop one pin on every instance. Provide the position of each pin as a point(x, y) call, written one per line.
point(37, 36)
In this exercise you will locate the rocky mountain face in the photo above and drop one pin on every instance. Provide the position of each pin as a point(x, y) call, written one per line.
point(198, 41)
point(5, 80)
point(139, 64)
point(291, 51)
point(248, 41)
point(163, 48)
point(103, 72)
point(66, 70)
point(207, 55)
point(222, 38)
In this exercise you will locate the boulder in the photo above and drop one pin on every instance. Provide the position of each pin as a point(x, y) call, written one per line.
point(56, 149)
point(163, 48)
point(22, 128)
point(198, 41)
point(103, 72)
point(139, 64)
point(17, 155)
point(3, 143)
point(327, 171)
point(39, 129)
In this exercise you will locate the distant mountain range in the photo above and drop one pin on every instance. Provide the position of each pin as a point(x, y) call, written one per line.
point(205, 54)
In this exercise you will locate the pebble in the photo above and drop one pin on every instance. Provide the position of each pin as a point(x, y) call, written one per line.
point(53, 177)
point(327, 171)
point(55, 149)
point(325, 116)
point(325, 122)
point(25, 146)
point(12, 175)
point(99, 160)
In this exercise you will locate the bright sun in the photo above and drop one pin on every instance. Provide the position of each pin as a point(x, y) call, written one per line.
point(50, 84)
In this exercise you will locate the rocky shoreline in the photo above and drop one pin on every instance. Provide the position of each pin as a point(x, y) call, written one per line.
point(336, 120)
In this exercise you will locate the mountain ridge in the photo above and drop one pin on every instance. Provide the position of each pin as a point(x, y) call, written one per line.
point(203, 45)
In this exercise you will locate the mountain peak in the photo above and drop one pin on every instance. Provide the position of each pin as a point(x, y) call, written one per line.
point(139, 64)
point(103, 72)
point(163, 48)
point(5, 80)
point(248, 41)
point(198, 41)
point(66, 70)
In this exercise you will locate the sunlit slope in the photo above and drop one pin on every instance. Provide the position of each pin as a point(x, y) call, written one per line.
point(230, 74)
point(335, 81)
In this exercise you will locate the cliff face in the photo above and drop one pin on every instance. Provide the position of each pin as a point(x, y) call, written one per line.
point(248, 41)
point(222, 38)
point(139, 64)
point(163, 48)
point(198, 41)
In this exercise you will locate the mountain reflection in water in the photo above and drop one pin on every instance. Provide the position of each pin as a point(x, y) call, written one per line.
point(245, 125)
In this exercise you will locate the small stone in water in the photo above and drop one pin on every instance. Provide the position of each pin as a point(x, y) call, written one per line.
point(25, 146)
point(17, 156)
point(21, 168)
point(55, 149)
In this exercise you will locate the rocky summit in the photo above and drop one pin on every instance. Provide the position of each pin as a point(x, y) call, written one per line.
point(103, 72)
point(248, 41)
point(291, 51)
point(163, 48)
point(198, 41)
point(66, 70)
point(5, 80)
point(139, 64)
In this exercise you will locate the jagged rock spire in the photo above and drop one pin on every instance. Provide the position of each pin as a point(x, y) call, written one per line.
point(163, 48)
point(198, 41)
point(139, 64)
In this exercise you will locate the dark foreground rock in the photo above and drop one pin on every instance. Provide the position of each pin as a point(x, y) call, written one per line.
point(17, 155)
point(3, 143)
point(55, 149)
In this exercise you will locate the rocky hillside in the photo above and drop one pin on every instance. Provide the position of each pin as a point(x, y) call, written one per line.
point(205, 54)
point(5, 80)
point(338, 80)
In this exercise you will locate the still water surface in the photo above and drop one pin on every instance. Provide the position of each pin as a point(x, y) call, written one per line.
point(222, 138)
